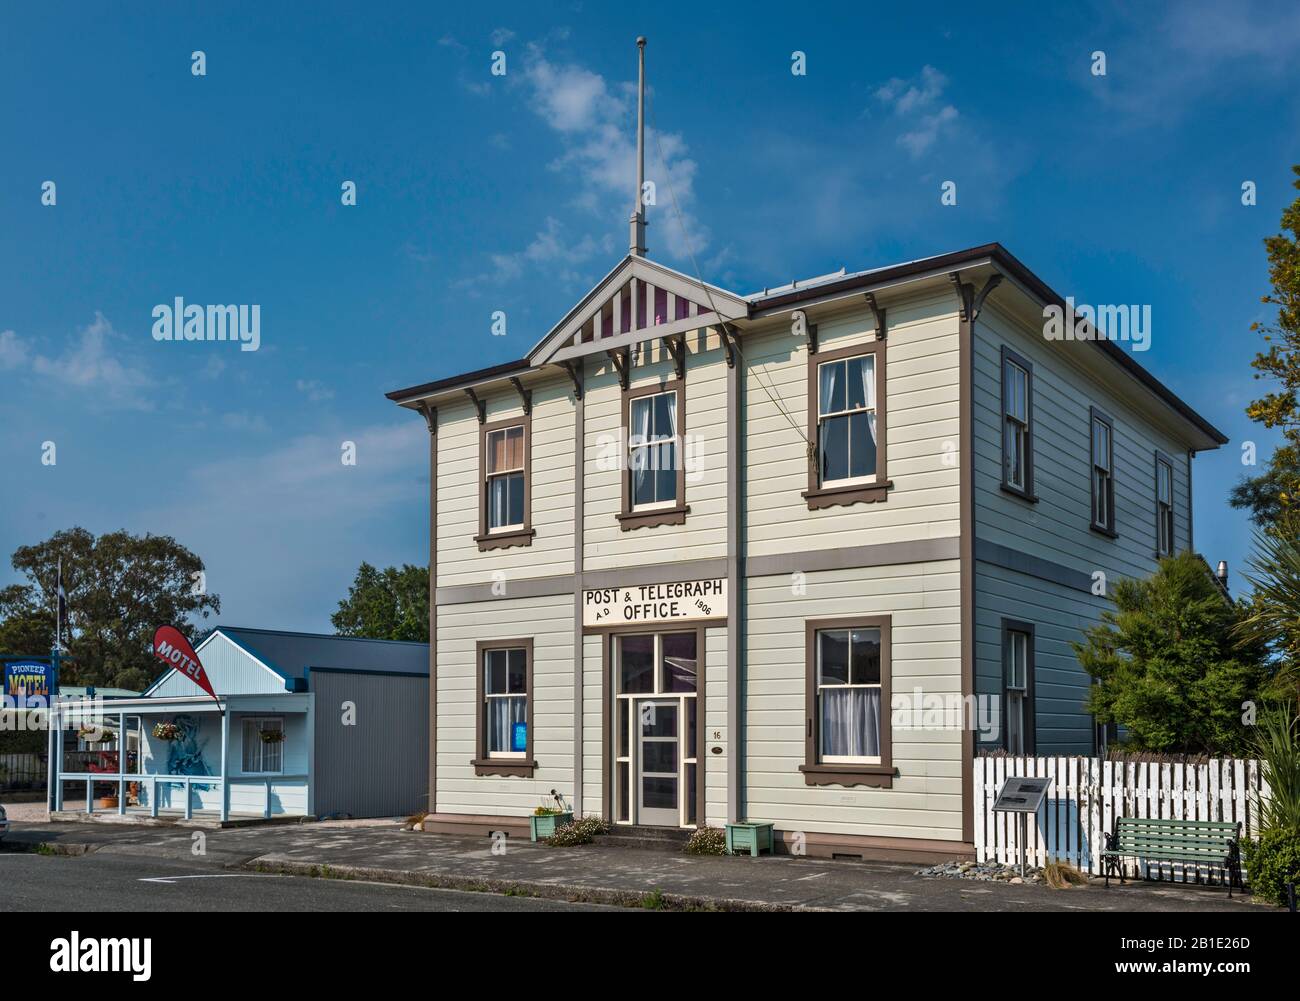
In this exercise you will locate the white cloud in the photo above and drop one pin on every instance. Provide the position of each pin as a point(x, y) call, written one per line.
point(94, 365)
point(918, 102)
point(595, 124)
point(242, 420)
point(13, 350)
point(314, 390)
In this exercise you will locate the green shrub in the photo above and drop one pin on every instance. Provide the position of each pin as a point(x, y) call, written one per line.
point(1272, 862)
point(707, 841)
point(580, 832)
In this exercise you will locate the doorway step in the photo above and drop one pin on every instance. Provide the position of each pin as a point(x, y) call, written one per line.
point(666, 839)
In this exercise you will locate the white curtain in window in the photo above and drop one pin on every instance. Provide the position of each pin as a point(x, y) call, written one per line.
point(641, 411)
point(827, 376)
point(499, 502)
point(501, 714)
point(851, 722)
point(868, 369)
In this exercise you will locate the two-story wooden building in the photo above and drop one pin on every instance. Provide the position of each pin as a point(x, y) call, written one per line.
point(791, 556)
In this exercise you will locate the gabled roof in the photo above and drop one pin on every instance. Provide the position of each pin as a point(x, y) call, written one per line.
point(576, 334)
point(292, 656)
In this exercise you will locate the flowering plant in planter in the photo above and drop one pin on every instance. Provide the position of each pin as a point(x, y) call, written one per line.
point(272, 736)
point(166, 731)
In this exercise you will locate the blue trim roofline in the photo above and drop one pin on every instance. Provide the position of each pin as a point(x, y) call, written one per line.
point(315, 636)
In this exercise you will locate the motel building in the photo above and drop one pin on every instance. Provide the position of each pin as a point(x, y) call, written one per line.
point(691, 549)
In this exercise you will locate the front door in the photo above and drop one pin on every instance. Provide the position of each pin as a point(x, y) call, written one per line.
point(659, 762)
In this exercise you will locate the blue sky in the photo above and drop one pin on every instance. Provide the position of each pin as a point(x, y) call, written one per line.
point(478, 193)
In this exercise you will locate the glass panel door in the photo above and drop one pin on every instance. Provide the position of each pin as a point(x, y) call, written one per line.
point(658, 763)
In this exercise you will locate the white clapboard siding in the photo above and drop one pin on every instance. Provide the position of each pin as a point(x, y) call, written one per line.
point(1088, 795)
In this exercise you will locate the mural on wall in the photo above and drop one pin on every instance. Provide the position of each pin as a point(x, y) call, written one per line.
point(185, 755)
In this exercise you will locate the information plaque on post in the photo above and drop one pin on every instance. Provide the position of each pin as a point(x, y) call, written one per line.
point(1022, 794)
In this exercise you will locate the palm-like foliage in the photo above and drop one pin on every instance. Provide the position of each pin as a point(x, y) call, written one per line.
point(1273, 612)
point(1277, 743)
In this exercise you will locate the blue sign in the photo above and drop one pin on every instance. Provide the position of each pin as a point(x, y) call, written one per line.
point(27, 683)
point(519, 737)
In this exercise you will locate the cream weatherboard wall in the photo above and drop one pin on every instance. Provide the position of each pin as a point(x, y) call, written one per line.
point(922, 425)
point(924, 603)
point(548, 622)
point(552, 457)
point(606, 545)
point(1054, 532)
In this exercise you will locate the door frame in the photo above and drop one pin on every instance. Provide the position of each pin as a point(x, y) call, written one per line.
point(608, 688)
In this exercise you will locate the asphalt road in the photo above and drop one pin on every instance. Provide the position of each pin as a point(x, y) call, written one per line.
point(111, 882)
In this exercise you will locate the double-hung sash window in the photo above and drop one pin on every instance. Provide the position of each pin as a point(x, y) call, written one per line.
point(846, 421)
point(263, 745)
point(653, 451)
point(505, 702)
point(1017, 424)
point(849, 695)
point(1103, 472)
point(1164, 507)
point(1016, 647)
point(505, 479)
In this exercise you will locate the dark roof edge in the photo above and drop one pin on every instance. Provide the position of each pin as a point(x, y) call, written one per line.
point(424, 389)
point(1004, 258)
point(994, 251)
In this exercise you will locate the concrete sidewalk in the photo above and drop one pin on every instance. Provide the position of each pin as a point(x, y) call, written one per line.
point(592, 874)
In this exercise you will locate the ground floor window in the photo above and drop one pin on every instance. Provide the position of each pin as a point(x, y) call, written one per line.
point(504, 723)
point(656, 728)
point(847, 735)
point(263, 745)
point(1018, 698)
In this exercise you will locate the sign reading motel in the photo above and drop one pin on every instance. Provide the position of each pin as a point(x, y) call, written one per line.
point(682, 601)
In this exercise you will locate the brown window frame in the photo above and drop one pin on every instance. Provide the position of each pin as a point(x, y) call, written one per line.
point(1031, 692)
point(483, 764)
point(815, 773)
point(1095, 416)
point(1027, 491)
point(628, 517)
point(522, 536)
point(1161, 459)
point(816, 495)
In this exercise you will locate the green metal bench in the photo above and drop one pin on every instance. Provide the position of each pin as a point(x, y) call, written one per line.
point(1211, 843)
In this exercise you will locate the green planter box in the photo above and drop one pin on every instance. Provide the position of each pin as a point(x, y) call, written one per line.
point(545, 826)
point(752, 838)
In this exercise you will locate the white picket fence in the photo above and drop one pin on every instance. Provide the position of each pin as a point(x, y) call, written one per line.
point(1087, 795)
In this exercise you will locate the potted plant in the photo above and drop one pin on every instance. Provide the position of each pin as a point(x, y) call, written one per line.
point(166, 731)
point(272, 736)
point(549, 817)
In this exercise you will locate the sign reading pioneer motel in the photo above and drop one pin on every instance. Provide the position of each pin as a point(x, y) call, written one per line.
point(682, 601)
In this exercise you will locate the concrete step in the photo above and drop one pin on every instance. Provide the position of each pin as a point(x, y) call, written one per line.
point(667, 839)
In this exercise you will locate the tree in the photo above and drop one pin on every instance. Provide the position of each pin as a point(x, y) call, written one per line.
point(1278, 487)
point(1272, 613)
point(1167, 665)
point(120, 587)
point(389, 604)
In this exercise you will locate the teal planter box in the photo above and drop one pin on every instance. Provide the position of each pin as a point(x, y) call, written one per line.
point(545, 826)
point(752, 838)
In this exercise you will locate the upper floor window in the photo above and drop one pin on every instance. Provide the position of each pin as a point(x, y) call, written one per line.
point(652, 450)
point(1164, 506)
point(1103, 472)
point(1017, 424)
point(504, 487)
point(846, 424)
point(654, 483)
point(846, 418)
point(505, 473)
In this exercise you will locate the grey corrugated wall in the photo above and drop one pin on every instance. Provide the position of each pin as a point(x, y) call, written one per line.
point(380, 766)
